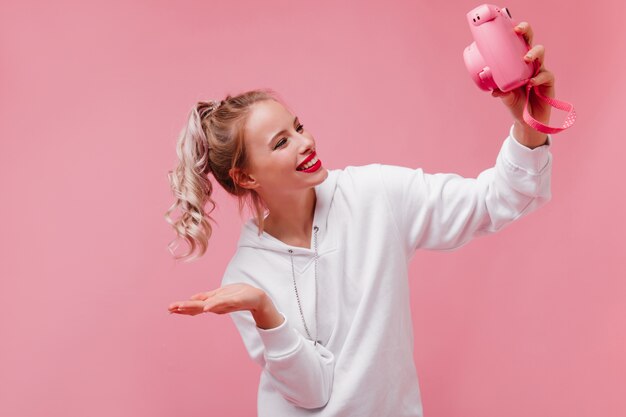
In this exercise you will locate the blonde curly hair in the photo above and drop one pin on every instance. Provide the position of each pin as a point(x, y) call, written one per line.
point(212, 141)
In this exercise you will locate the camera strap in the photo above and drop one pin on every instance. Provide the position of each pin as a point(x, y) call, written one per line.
point(562, 105)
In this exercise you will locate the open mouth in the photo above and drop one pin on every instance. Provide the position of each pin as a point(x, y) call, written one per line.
point(309, 163)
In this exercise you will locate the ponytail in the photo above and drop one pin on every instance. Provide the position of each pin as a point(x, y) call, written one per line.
point(191, 185)
point(212, 141)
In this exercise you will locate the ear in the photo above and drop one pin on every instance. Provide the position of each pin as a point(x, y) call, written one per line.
point(242, 179)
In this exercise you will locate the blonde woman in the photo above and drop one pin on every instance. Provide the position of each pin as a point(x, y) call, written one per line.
point(318, 286)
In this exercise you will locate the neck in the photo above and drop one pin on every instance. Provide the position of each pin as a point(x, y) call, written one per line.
point(291, 215)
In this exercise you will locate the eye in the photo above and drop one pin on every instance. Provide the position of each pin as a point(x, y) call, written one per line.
point(284, 140)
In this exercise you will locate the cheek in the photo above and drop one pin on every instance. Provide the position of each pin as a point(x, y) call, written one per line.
point(286, 163)
point(275, 167)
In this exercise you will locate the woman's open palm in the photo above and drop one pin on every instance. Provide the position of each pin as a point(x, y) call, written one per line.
point(231, 297)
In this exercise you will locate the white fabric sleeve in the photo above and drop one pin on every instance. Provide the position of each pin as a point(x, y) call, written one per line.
point(445, 211)
point(301, 372)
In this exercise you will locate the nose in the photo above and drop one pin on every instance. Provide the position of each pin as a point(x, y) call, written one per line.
point(307, 144)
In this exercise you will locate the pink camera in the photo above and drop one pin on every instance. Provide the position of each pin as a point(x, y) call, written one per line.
point(496, 60)
point(496, 57)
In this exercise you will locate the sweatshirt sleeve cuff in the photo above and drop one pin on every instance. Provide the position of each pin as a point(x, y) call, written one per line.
point(531, 160)
point(280, 340)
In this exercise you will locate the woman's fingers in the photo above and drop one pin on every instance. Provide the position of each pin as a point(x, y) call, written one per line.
point(523, 28)
point(536, 53)
point(232, 297)
point(543, 78)
point(209, 307)
point(203, 295)
point(199, 296)
point(188, 307)
point(219, 307)
point(497, 93)
point(191, 304)
point(194, 305)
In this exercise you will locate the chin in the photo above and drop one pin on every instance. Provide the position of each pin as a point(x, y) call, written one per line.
point(324, 174)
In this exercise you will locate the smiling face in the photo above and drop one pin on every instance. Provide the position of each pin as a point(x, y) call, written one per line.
point(276, 143)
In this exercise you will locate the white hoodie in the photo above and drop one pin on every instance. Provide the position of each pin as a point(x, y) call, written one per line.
point(371, 220)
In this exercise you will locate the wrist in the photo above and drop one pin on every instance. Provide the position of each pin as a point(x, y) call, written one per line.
point(527, 136)
point(266, 315)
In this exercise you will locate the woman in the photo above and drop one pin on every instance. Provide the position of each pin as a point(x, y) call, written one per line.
point(318, 287)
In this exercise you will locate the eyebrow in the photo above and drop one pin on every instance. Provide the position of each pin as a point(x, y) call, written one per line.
point(295, 120)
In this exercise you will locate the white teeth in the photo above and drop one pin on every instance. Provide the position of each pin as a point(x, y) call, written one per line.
point(309, 164)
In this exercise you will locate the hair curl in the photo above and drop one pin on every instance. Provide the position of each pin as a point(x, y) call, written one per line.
point(212, 141)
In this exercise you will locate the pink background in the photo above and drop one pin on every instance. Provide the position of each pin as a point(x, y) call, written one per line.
point(530, 321)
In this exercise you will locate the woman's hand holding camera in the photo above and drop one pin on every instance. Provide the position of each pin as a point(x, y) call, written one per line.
point(515, 100)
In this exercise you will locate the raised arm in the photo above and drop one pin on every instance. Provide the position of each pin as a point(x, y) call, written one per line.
point(445, 211)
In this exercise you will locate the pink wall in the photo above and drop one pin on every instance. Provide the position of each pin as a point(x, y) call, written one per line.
point(530, 321)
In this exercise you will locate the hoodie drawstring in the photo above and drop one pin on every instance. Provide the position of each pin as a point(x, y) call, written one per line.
point(315, 341)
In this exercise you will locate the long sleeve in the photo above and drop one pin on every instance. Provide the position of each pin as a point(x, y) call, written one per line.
point(445, 211)
point(301, 372)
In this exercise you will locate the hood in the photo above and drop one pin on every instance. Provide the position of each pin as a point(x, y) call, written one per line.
point(324, 195)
